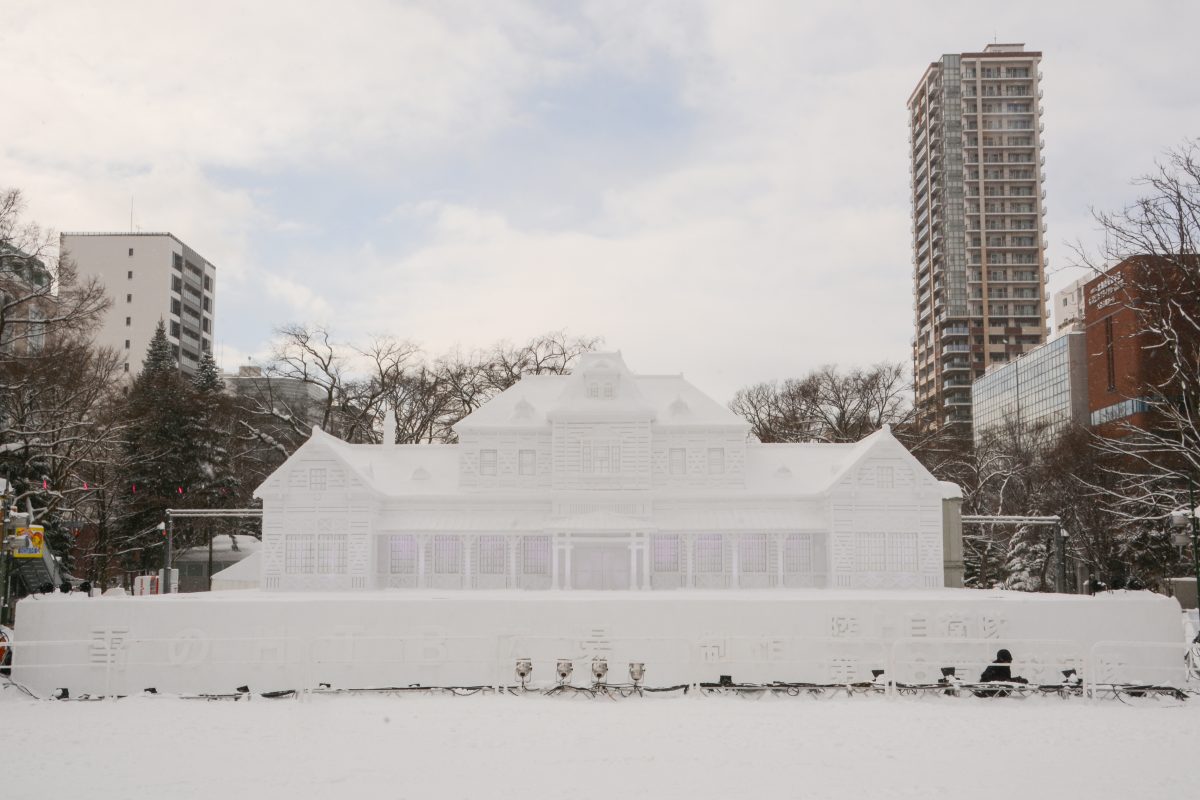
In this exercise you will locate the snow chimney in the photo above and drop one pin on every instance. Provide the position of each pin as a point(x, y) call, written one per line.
point(389, 426)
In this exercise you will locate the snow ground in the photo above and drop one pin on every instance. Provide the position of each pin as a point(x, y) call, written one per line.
point(537, 747)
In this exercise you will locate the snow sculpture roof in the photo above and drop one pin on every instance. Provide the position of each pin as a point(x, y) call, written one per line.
point(537, 400)
point(603, 389)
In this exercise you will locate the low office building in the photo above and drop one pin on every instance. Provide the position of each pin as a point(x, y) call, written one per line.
point(603, 479)
point(1041, 393)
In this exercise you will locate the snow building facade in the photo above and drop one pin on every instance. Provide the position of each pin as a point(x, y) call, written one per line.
point(602, 479)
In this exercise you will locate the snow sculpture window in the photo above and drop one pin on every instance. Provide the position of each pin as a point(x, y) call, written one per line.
point(535, 555)
point(493, 555)
point(716, 460)
point(331, 554)
point(487, 462)
point(665, 553)
point(447, 555)
point(710, 553)
point(527, 462)
point(885, 477)
point(677, 459)
point(870, 551)
point(902, 552)
point(593, 389)
point(752, 552)
point(316, 479)
point(797, 553)
point(608, 391)
point(604, 459)
point(402, 554)
point(299, 554)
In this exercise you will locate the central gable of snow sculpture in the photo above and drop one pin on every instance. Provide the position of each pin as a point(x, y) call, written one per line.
point(601, 479)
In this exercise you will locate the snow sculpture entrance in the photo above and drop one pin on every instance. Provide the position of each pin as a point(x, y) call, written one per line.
point(602, 479)
point(601, 566)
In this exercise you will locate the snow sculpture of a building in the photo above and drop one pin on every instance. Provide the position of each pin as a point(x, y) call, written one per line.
point(602, 479)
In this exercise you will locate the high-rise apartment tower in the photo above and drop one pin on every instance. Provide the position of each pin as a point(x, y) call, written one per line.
point(978, 231)
point(149, 277)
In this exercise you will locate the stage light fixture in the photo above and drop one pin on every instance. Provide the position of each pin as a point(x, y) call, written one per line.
point(564, 669)
point(524, 669)
point(637, 672)
point(599, 668)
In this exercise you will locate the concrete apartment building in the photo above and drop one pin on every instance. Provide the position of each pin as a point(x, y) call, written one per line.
point(1068, 306)
point(978, 231)
point(150, 277)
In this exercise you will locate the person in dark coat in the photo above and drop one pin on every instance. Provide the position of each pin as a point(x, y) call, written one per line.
point(999, 672)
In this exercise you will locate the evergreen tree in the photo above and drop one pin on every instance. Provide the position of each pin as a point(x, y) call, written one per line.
point(210, 432)
point(160, 446)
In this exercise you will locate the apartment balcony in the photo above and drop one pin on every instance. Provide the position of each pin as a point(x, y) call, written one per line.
point(952, 349)
point(957, 401)
point(954, 331)
point(955, 366)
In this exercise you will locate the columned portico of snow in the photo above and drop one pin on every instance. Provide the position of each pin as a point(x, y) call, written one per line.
point(602, 479)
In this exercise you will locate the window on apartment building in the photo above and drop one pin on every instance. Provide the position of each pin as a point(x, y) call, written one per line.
point(207, 284)
point(176, 284)
point(177, 261)
point(126, 344)
point(204, 345)
point(487, 462)
point(1109, 356)
point(128, 298)
point(128, 321)
point(129, 275)
point(206, 304)
point(127, 368)
point(204, 324)
point(175, 329)
point(131, 252)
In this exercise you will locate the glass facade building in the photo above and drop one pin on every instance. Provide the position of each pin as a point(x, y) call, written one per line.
point(1045, 388)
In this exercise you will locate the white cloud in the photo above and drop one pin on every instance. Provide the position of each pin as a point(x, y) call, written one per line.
point(301, 299)
point(770, 236)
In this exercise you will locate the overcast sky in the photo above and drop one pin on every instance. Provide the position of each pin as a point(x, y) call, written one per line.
point(718, 188)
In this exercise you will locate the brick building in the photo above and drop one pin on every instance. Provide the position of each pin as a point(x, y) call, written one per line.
point(1125, 364)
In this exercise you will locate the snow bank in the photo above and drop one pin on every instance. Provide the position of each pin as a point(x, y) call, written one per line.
point(214, 642)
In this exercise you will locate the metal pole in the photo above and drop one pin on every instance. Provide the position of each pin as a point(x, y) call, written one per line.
point(1195, 532)
point(164, 583)
point(1060, 552)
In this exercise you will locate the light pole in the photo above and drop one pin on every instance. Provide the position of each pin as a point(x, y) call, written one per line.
point(166, 528)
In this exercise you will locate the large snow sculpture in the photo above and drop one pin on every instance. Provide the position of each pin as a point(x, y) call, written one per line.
point(602, 479)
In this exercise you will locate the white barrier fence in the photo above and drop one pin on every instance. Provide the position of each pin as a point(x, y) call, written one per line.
point(113, 663)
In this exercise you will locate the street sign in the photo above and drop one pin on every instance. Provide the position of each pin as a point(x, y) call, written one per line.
point(31, 542)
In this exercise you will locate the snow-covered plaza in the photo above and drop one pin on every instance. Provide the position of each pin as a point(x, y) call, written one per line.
point(662, 747)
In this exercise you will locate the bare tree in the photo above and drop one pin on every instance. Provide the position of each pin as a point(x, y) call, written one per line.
point(1157, 238)
point(827, 404)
